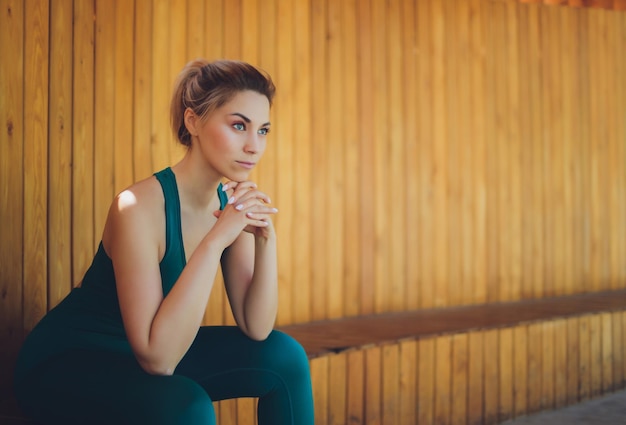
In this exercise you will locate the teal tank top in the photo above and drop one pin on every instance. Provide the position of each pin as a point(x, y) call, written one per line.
point(89, 318)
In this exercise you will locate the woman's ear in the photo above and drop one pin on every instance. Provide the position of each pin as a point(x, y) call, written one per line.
point(191, 122)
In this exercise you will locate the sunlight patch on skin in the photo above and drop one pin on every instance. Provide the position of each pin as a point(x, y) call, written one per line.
point(127, 199)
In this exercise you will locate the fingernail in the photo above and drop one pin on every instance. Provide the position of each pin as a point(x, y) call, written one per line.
point(239, 207)
point(231, 200)
point(225, 187)
point(275, 210)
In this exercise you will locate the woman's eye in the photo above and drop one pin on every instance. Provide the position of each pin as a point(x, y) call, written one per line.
point(264, 131)
point(239, 126)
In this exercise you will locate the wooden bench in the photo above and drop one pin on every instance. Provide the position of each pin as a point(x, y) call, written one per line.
point(332, 337)
point(480, 364)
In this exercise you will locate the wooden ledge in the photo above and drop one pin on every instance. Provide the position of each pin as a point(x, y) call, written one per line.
point(334, 336)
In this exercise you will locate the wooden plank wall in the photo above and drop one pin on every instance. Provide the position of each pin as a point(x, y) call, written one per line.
point(429, 153)
point(481, 377)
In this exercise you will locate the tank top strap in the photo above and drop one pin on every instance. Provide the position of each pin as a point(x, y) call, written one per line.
point(174, 258)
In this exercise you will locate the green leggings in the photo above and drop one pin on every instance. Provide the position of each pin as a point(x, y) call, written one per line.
point(94, 387)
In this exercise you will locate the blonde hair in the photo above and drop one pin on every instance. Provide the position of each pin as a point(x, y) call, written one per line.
point(204, 86)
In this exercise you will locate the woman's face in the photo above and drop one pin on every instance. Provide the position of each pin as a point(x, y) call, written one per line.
point(232, 139)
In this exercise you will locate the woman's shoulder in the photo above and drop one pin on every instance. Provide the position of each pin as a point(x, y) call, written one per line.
point(139, 206)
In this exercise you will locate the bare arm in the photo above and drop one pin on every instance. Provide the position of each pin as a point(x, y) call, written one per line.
point(161, 329)
point(250, 267)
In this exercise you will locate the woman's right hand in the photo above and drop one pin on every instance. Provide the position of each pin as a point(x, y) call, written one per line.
point(247, 210)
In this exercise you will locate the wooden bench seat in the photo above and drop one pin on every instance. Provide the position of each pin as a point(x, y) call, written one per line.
point(334, 336)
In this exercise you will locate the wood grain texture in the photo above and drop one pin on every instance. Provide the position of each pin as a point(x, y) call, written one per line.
point(424, 154)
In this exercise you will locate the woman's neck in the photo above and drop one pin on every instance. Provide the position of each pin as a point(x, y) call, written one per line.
point(197, 184)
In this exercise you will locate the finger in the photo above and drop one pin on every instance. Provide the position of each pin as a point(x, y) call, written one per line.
point(260, 215)
point(257, 222)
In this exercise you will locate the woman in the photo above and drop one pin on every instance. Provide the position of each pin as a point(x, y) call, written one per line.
point(127, 346)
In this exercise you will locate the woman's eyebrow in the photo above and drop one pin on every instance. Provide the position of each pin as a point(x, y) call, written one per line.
point(246, 119)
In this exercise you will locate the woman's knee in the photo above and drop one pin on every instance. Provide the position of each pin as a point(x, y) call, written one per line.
point(287, 354)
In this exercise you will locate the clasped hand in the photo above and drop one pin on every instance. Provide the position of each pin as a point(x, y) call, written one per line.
point(248, 209)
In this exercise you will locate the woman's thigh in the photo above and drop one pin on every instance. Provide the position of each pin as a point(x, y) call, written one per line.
point(228, 364)
point(81, 387)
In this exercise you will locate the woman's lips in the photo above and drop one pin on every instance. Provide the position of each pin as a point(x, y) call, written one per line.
point(247, 165)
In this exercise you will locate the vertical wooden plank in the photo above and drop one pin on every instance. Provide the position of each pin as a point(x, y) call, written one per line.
point(616, 152)
point(366, 156)
point(618, 350)
point(391, 385)
point(104, 113)
point(439, 154)
point(535, 206)
point(246, 411)
point(595, 343)
point(351, 165)
point(460, 359)
point(334, 238)
point(493, 30)
point(60, 153)
point(196, 12)
point(454, 212)
point(411, 178)
point(547, 365)
point(228, 412)
point(394, 278)
point(302, 173)
point(356, 387)
point(337, 383)
point(520, 374)
point(478, 130)
point(11, 187)
point(380, 129)
point(598, 155)
point(319, 381)
point(426, 381)
point(535, 389)
point(506, 382)
point(408, 382)
point(123, 103)
point(516, 144)
point(302, 152)
point(573, 356)
point(373, 390)
point(233, 29)
point(250, 49)
point(425, 125)
point(443, 379)
point(560, 363)
point(607, 352)
point(319, 192)
point(491, 352)
point(568, 78)
point(469, 203)
point(177, 56)
point(83, 85)
point(36, 86)
point(284, 165)
point(475, 403)
point(142, 91)
point(584, 359)
point(525, 113)
point(498, 160)
point(623, 320)
point(162, 84)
